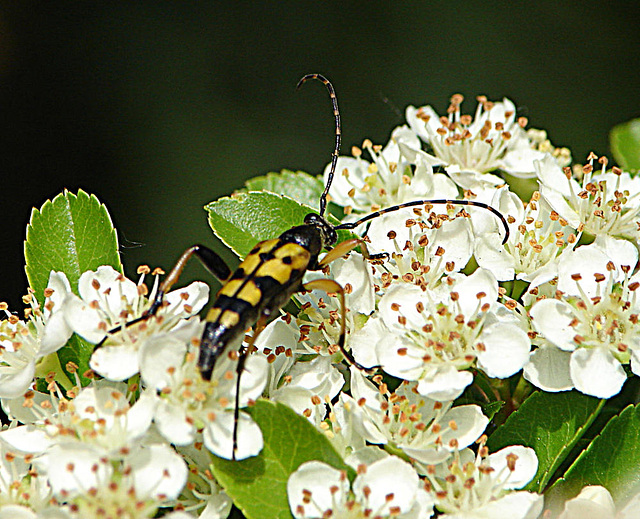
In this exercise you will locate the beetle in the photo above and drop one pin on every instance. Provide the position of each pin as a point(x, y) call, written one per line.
point(273, 271)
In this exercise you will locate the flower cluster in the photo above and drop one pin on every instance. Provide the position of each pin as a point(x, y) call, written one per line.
point(453, 312)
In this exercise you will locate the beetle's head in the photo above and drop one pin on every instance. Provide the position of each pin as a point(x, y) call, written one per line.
point(328, 233)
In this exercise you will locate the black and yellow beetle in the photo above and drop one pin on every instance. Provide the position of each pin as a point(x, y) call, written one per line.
point(273, 271)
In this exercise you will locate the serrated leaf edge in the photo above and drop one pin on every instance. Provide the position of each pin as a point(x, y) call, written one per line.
point(243, 194)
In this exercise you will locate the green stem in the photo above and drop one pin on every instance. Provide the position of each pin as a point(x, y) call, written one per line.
point(521, 392)
point(392, 449)
point(518, 288)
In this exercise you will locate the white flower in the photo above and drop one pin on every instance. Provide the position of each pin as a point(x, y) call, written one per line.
point(345, 429)
point(202, 492)
point(549, 368)
point(22, 489)
point(425, 430)
point(595, 502)
point(187, 403)
point(581, 272)
point(109, 300)
point(361, 186)
point(386, 488)
point(305, 386)
point(23, 344)
point(308, 386)
point(604, 203)
point(471, 147)
point(522, 153)
point(432, 336)
point(420, 253)
point(594, 322)
point(319, 322)
point(536, 240)
point(99, 418)
point(484, 488)
point(150, 477)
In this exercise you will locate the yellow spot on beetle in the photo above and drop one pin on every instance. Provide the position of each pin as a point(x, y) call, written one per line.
point(249, 292)
point(229, 318)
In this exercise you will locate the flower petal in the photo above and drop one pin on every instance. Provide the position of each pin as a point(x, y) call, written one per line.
point(506, 350)
point(158, 472)
point(115, 362)
point(445, 383)
point(387, 484)
point(218, 436)
point(315, 483)
point(548, 369)
point(552, 318)
point(596, 372)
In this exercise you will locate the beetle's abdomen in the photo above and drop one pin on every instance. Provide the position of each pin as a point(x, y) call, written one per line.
point(262, 283)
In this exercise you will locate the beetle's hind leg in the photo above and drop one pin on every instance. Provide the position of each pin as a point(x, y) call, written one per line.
point(242, 359)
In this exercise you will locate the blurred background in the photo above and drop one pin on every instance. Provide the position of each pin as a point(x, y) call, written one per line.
point(159, 107)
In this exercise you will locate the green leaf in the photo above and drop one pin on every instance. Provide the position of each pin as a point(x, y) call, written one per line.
point(302, 187)
point(551, 424)
point(624, 140)
point(258, 485)
point(244, 219)
point(70, 234)
point(490, 409)
point(612, 460)
point(78, 351)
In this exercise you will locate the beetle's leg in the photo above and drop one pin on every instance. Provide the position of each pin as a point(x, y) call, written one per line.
point(242, 358)
point(345, 247)
point(331, 286)
point(211, 261)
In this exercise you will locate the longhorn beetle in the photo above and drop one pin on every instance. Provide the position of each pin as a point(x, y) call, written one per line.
point(272, 272)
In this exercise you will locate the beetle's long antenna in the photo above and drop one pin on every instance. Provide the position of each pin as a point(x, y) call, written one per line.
point(336, 151)
point(472, 203)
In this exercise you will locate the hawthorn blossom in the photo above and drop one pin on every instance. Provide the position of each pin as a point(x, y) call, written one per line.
point(99, 418)
point(187, 403)
point(607, 202)
point(471, 147)
point(596, 502)
point(108, 301)
point(304, 385)
point(521, 155)
point(202, 493)
point(151, 477)
point(387, 488)
point(24, 343)
point(76, 444)
point(484, 486)
point(593, 321)
point(308, 386)
point(425, 430)
point(319, 323)
point(537, 238)
point(420, 253)
point(22, 490)
point(362, 186)
point(433, 336)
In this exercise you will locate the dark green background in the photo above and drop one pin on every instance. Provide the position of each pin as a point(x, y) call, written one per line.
point(161, 107)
